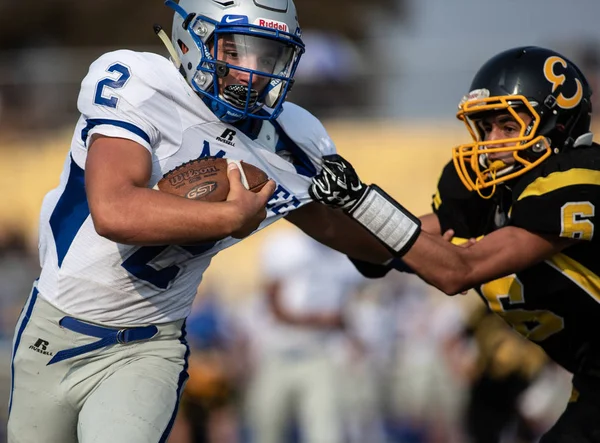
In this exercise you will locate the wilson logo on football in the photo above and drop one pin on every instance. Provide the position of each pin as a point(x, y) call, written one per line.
point(272, 24)
point(202, 190)
point(192, 175)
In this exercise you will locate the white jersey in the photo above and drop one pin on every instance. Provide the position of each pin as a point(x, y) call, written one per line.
point(143, 97)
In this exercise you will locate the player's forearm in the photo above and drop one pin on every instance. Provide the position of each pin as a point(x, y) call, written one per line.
point(140, 216)
point(454, 269)
point(430, 223)
point(336, 230)
point(356, 242)
point(315, 321)
point(441, 264)
point(323, 321)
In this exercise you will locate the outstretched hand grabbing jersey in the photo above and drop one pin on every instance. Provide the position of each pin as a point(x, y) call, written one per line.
point(338, 186)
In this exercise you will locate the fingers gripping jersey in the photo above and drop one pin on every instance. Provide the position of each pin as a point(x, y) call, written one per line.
point(142, 97)
point(555, 303)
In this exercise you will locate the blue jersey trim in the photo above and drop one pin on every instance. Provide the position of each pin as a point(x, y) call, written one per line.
point(300, 161)
point(250, 127)
point(93, 122)
point(24, 322)
point(183, 376)
point(70, 212)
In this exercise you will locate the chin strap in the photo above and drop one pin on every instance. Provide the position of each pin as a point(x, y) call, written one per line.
point(493, 172)
point(478, 189)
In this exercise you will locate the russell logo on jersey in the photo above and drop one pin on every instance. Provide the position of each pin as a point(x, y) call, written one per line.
point(227, 137)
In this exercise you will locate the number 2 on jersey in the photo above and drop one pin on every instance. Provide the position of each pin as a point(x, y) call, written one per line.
point(112, 83)
point(144, 262)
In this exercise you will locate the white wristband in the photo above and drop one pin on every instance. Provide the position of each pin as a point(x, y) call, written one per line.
point(387, 220)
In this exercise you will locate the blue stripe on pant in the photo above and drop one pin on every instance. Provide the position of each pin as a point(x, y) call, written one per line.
point(183, 376)
point(27, 309)
point(85, 396)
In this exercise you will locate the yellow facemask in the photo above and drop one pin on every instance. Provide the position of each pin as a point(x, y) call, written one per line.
point(476, 176)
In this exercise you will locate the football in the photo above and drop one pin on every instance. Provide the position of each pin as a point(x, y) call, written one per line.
point(206, 179)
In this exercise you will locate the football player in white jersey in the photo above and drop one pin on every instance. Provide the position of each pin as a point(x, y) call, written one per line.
point(99, 352)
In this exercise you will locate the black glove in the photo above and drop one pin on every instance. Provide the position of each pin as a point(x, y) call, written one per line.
point(337, 185)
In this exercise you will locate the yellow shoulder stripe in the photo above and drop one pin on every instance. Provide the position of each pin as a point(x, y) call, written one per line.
point(577, 273)
point(557, 180)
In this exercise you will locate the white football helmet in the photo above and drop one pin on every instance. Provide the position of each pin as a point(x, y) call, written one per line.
point(239, 55)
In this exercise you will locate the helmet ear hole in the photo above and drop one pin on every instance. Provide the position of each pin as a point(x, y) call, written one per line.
point(183, 47)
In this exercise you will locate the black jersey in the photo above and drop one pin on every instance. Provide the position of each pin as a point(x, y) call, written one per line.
point(555, 303)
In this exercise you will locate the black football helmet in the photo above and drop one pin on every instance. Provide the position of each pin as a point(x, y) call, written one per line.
point(536, 80)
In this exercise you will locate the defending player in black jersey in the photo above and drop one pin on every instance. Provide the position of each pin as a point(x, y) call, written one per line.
point(527, 188)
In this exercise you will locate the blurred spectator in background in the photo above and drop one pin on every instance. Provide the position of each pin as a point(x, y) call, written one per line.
point(330, 79)
point(427, 394)
point(590, 65)
point(209, 406)
point(19, 266)
point(40, 72)
point(299, 337)
point(366, 376)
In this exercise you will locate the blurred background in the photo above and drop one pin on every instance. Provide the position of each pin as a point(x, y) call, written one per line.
point(342, 359)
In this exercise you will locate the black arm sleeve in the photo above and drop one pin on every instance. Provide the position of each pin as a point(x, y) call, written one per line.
point(370, 270)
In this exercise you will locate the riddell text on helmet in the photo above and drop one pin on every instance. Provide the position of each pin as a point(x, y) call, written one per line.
point(272, 24)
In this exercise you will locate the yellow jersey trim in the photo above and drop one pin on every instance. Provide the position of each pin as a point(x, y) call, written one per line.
point(437, 200)
point(561, 179)
point(460, 240)
point(577, 273)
